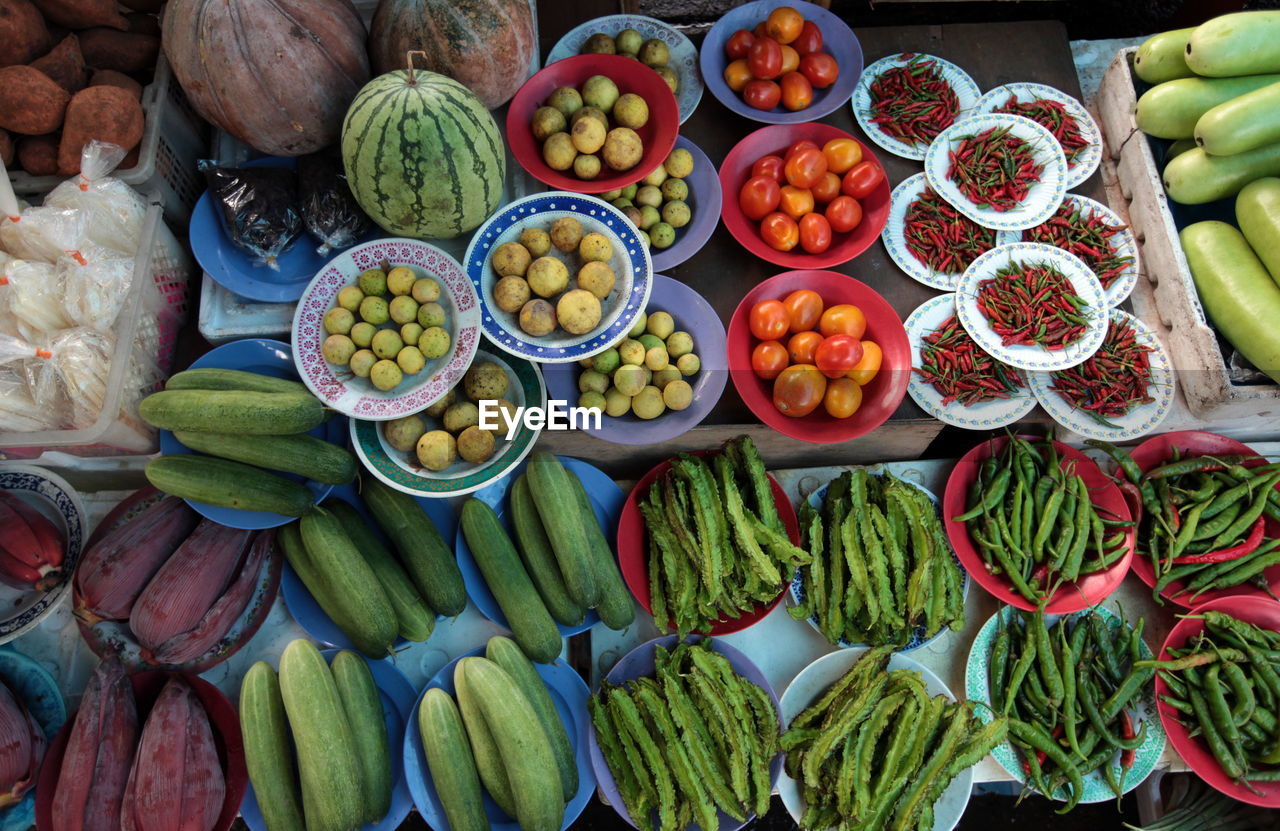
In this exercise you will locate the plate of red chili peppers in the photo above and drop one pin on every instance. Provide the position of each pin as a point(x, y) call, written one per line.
point(955, 380)
point(1033, 306)
point(902, 102)
point(1095, 234)
point(1060, 114)
point(1122, 391)
point(929, 239)
point(1002, 171)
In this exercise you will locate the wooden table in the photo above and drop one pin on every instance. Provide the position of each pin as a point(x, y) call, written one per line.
point(723, 271)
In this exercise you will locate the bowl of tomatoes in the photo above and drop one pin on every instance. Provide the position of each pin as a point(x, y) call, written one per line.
point(803, 195)
point(818, 356)
point(781, 61)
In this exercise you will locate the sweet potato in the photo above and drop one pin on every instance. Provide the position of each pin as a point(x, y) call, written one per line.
point(65, 65)
point(81, 14)
point(111, 78)
point(6, 148)
point(38, 155)
point(122, 51)
point(141, 23)
point(30, 102)
point(104, 113)
point(23, 35)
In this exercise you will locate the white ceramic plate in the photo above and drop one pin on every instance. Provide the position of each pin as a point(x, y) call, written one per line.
point(1083, 284)
point(1139, 421)
point(989, 415)
point(1089, 158)
point(894, 236)
point(967, 95)
point(1043, 197)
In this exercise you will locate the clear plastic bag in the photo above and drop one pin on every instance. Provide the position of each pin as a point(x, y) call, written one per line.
point(73, 380)
point(19, 412)
point(114, 213)
point(32, 293)
point(258, 206)
point(42, 234)
point(329, 210)
point(95, 286)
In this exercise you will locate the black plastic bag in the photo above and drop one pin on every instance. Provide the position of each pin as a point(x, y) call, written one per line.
point(258, 207)
point(329, 210)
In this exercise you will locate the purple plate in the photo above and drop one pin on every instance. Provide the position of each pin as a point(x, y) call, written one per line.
point(692, 314)
point(704, 201)
point(638, 663)
point(838, 40)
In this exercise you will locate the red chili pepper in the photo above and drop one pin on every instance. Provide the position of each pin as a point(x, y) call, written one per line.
point(1234, 553)
point(941, 238)
point(913, 102)
point(1127, 732)
point(959, 371)
point(1053, 116)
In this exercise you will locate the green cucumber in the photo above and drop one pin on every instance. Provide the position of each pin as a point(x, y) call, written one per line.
point(507, 654)
point(229, 484)
point(1258, 215)
point(1163, 58)
point(268, 753)
point(290, 539)
point(549, 484)
point(1196, 177)
point(362, 703)
point(415, 618)
point(616, 608)
point(539, 559)
point(453, 768)
point(361, 608)
point(304, 455)
point(326, 750)
point(526, 753)
point(1244, 43)
point(1171, 110)
point(431, 564)
point(484, 748)
point(1244, 123)
point(232, 411)
point(232, 379)
point(504, 574)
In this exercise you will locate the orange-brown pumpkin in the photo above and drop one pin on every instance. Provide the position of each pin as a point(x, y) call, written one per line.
point(276, 74)
point(486, 45)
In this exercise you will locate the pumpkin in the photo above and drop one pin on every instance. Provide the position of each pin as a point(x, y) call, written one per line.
point(486, 45)
point(276, 74)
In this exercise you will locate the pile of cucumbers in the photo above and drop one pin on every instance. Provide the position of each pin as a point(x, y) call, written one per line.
point(247, 426)
point(559, 565)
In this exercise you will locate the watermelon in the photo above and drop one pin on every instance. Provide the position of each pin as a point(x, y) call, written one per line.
point(424, 158)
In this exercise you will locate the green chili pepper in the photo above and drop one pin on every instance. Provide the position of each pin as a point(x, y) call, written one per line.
point(1224, 754)
point(990, 499)
point(1037, 738)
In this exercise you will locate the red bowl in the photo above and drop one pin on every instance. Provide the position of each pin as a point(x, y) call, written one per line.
point(658, 134)
point(1262, 612)
point(1156, 451)
point(1085, 592)
point(775, 139)
point(633, 548)
point(879, 398)
point(146, 689)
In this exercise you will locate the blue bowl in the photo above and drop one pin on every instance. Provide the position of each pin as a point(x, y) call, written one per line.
point(704, 200)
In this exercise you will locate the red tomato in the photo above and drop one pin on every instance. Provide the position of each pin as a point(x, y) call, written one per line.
point(763, 95)
point(828, 188)
point(806, 168)
point(820, 68)
point(798, 390)
point(780, 231)
point(761, 30)
point(768, 320)
point(844, 213)
point(765, 58)
point(842, 154)
point(784, 24)
point(795, 202)
point(843, 319)
point(863, 178)
point(797, 147)
point(738, 44)
point(842, 399)
point(768, 359)
point(837, 355)
point(737, 74)
point(770, 166)
point(815, 233)
point(790, 60)
point(802, 346)
point(865, 370)
point(758, 197)
point(804, 307)
point(797, 92)
point(809, 39)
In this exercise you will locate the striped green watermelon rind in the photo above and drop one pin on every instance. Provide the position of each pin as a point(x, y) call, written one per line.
point(424, 159)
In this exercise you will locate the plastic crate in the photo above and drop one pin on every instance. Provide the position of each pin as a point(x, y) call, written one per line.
point(146, 334)
point(172, 140)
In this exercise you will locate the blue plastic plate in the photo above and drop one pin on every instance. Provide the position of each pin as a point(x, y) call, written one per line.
point(705, 200)
point(39, 693)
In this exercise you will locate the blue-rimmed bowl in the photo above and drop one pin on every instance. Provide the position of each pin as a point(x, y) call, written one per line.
point(838, 40)
point(631, 264)
point(39, 693)
point(264, 357)
point(705, 201)
point(49, 494)
point(568, 692)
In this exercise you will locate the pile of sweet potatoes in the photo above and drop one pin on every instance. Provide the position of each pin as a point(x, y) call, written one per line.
point(72, 71)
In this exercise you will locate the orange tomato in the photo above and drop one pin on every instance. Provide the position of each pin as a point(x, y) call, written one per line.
point(802, 347)
point(796, 202)
point(826, 189)
point(779, 231)
point(784, 24)
point(797, 92)
point(737, 74)
point(768, 320)
point(805, 168)
point(842, 398)
point(790, 60)
point(843, 319)
point(798, 390)
point(768, 359)
point(865, 370)
point(842, 154)
point(804, 307)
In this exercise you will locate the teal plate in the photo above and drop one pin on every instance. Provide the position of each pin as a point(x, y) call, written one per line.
point(35, 688)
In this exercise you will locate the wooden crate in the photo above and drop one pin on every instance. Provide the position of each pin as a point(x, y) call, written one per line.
point(1192, 343)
